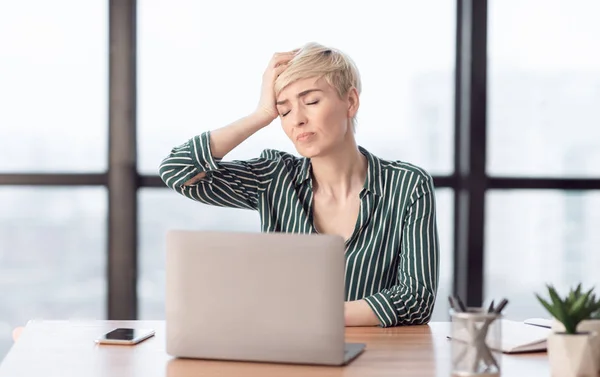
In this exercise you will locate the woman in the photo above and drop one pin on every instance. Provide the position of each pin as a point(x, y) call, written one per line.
point(384, 210)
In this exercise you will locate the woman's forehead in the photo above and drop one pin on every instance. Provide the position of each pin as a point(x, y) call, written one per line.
point(302, 85)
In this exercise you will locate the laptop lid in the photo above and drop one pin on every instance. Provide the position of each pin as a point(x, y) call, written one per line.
point(274, 297)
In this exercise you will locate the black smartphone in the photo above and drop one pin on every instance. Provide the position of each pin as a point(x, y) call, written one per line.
point(126, 336)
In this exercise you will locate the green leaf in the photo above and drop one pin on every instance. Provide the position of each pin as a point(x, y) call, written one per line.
point(571, 298)
point(590, 305)
point(546, 305)
point(575, 307)
point(563, 315)
point(556, 300)
point(574, 294)
point(580, 305)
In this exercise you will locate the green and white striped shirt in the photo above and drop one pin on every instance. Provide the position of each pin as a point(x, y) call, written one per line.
point(392, 258)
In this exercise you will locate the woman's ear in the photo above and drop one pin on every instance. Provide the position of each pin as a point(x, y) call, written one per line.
point(353, 102)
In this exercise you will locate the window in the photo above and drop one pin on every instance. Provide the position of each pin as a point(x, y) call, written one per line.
point(161, 210)
point(544, 88)
point(52, 256)
point(53, 96)
point(536, 237)
point(191, 81)
point(445, 221)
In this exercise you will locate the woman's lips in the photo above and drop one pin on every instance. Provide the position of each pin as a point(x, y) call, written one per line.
point(305, 136)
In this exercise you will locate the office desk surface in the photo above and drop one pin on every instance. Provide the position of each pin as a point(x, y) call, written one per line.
point(67, 348)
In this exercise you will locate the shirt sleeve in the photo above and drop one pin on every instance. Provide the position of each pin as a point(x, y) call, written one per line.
point(410, 301)
point(233, 184)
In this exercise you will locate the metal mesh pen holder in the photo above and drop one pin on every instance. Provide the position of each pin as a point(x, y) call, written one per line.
point(476, 338)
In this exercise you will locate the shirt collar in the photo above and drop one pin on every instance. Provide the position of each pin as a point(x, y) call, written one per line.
point(304, 172)
point(373, 183)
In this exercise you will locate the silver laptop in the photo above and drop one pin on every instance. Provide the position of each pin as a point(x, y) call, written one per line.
point(269, 297)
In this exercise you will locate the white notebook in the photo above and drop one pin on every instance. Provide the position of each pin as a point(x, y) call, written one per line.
point(542, 322)
point(518, 337)
point(521, 337)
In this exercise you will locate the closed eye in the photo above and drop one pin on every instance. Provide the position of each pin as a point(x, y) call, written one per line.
point(310, 103)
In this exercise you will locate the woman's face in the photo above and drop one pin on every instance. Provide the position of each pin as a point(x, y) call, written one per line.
point(314, 117)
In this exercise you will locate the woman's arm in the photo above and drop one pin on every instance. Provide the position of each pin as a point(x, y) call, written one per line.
point(231, 184)
point(222, 141)
point(192, 171)
point(359, 313)
point(410, 301)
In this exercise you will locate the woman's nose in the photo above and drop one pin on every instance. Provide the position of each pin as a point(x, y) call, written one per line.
point(299, 118)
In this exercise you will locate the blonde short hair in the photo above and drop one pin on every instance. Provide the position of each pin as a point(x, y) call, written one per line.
point(315, 60)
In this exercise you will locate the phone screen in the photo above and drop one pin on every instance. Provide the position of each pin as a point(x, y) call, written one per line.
point(125, 336)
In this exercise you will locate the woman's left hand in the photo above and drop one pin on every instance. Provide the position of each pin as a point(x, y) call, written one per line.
point(359, 313)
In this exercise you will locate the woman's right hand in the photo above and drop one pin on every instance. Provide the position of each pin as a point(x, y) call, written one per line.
point(278, 64)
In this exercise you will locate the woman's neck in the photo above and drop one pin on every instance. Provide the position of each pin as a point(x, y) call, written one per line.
point(341, 173)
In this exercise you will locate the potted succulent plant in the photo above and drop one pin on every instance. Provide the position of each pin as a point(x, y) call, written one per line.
point(572, 350)
point(590, 324)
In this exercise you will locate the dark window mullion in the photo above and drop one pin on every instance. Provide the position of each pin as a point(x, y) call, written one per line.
point(51, 179)
point(155, 181)
point(544, 183)
point(122, 175)
point(470, 149)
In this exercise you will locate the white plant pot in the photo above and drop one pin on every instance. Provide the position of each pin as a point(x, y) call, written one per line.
point(572, 355)
point(588, 325)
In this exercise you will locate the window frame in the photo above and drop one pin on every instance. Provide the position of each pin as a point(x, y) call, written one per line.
point(469, 181)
